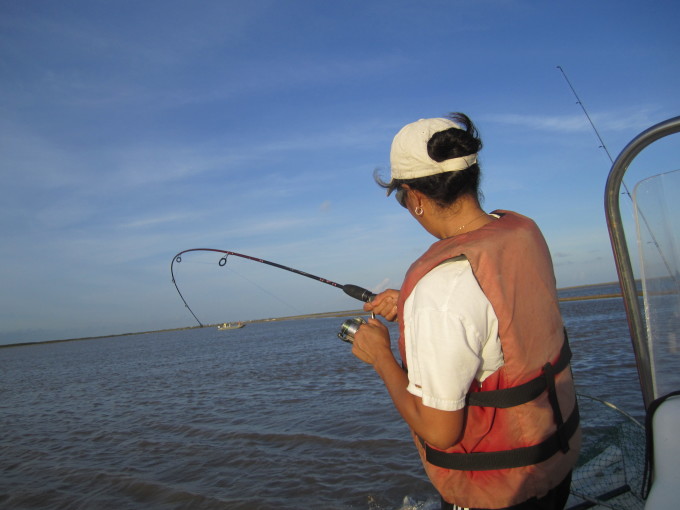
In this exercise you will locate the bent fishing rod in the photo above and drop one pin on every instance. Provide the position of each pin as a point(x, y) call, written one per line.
point(351, 290)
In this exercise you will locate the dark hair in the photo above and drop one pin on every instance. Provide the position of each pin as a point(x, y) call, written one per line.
point(447, 187)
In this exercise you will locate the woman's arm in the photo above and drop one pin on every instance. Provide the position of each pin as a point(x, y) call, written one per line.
point(441, 429)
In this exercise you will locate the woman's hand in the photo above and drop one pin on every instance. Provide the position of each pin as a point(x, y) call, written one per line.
point(384, 304)
point(441, 429)
point(372, 342)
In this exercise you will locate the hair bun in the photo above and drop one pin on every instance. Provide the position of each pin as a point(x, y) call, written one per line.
point(455, 143)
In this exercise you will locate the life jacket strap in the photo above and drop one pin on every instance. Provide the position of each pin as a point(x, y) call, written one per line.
point(517, 457)
point(510, 397)
point(549, 372)
point(518, 395)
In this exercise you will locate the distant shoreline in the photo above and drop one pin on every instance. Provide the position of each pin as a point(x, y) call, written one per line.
point(347, 313)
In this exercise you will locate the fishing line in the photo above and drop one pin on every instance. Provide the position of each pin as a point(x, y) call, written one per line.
point(254, 284)
point(625, 187)
point(279, 299)
point(351, 290)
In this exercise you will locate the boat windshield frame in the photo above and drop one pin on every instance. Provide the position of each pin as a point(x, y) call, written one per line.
point(621, 253)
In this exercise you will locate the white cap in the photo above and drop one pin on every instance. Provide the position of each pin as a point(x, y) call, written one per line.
point(409, 158)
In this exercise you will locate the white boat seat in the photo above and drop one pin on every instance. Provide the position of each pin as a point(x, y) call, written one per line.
point(665, 491)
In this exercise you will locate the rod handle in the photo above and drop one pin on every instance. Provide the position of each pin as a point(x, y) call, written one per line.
point(358, 293)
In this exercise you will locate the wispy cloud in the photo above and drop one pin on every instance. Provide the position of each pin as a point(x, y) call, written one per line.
point(573, 123)
point(383, 285)
point(155, 221)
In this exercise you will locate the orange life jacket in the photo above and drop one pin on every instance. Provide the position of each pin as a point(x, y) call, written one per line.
point(521, 435)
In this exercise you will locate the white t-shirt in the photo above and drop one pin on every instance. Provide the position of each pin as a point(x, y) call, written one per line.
point(451, 335)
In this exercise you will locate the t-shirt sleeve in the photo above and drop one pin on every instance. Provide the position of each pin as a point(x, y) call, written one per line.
point(451, 336)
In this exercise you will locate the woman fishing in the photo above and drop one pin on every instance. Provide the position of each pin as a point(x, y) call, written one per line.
point(484, 381)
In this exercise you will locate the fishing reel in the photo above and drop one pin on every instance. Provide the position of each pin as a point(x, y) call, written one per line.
point(349, 328)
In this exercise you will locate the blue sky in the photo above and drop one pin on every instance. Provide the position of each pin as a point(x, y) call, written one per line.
point(130, 131)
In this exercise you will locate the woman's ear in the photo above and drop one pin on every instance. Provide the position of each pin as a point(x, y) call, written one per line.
point(417, 197)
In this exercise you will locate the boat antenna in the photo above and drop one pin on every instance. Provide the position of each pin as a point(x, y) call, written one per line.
point(351, 290)
point(623, 183)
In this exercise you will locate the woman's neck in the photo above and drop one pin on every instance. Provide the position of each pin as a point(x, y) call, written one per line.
point(464, 216)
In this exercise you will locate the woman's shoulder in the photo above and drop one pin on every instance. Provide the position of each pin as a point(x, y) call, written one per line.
point(452, 279)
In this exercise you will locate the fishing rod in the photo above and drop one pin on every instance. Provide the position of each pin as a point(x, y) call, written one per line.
point(351, 290)
point(625, 187)
point(592, 124)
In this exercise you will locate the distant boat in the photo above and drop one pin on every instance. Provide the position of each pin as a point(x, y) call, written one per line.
point(231, 325)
